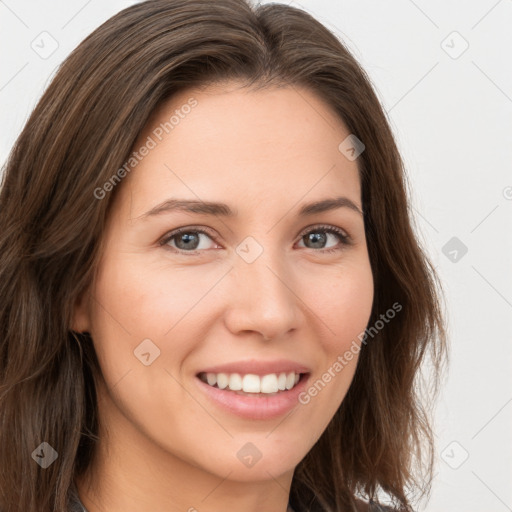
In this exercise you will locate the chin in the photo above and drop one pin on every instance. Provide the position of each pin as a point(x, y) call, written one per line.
point(257, 458)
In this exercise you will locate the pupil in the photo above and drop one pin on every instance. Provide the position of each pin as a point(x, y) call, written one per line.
point(187, 237)
point(318, 239)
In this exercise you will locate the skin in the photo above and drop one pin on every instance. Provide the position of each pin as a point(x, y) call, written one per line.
point(165, 446)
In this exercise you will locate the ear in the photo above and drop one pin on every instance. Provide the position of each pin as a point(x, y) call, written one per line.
point(81, 318)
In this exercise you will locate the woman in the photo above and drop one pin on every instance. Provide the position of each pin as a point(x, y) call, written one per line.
point(211, 294)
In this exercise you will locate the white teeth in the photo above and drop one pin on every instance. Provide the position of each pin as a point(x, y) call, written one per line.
point(235, 382)
point(222, 380)
point(290, 380)
point(251, 383)
point(269, 383)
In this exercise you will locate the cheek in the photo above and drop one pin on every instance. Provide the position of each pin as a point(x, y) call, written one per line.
point(136, 300)
point(143, 309)
point(342, 307)
point(342, 301)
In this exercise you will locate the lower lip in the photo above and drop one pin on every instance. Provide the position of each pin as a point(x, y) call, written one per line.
point(258, 407)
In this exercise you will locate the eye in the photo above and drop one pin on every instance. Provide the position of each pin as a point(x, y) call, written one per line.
point(191, 240)
point(319, 236)
point(187, 239)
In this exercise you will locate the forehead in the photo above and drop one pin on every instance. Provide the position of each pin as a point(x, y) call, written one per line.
point(226, 141)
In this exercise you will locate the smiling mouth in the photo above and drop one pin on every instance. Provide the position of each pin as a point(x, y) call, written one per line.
point(253, 385)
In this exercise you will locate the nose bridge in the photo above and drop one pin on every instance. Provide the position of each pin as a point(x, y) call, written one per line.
point(263, 299)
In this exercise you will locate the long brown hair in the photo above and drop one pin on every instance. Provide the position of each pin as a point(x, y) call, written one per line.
point(51, 227)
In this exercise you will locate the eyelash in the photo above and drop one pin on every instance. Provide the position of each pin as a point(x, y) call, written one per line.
point(345, 240)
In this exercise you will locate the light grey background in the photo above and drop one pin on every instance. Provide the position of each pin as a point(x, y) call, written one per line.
point(451, 110)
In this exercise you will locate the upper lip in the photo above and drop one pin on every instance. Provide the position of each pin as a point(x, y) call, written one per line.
point(259, 367)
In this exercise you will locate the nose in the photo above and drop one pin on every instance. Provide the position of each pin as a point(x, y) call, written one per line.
point(262, 298)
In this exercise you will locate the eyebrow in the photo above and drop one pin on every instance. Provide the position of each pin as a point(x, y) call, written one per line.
point(222, 209)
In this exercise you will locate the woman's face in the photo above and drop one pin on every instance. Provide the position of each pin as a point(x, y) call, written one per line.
point(258, 287)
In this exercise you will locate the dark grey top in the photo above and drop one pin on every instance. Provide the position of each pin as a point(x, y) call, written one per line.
point(74, 503)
